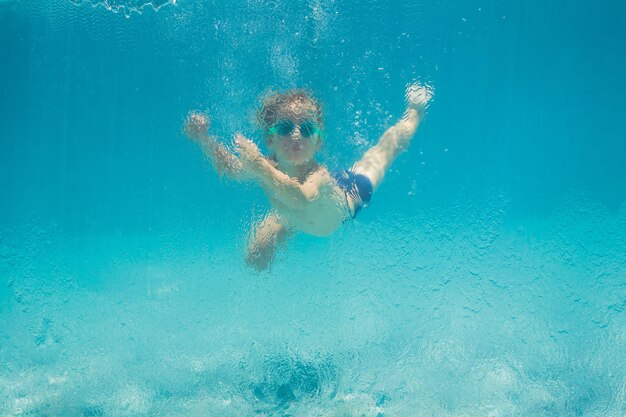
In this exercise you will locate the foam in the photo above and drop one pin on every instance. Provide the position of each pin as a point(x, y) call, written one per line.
point(127, 7)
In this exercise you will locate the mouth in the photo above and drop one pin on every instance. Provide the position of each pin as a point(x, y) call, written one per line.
point(294, 149)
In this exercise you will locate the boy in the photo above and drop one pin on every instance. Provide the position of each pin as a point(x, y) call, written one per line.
point(304, 195)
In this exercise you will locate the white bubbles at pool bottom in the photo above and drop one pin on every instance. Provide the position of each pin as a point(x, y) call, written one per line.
point(505, 390)
point(44, 391)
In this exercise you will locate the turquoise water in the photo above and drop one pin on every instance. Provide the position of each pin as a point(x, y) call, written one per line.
point(487, 278)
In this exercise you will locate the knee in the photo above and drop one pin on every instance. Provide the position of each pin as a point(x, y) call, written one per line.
point(259, 256)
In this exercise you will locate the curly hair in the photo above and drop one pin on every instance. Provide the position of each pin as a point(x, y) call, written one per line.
point(273, 102)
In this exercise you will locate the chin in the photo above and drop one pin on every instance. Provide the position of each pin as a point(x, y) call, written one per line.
point(297, 159)
point(301, 161)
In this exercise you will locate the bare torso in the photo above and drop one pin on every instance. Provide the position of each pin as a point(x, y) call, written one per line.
point(322, 216)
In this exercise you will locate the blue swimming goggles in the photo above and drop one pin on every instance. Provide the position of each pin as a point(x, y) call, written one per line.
point(286, 128)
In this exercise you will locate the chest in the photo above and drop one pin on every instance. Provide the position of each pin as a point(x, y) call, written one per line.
point(321, 217)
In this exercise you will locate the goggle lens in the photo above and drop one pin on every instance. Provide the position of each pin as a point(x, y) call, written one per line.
point(286, 128)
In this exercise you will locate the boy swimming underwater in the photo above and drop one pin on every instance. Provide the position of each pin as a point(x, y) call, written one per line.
point(304, 195)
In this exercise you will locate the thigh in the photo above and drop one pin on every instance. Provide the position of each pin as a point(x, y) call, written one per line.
point(268, 231)
point(265, 237)
point(373, 165)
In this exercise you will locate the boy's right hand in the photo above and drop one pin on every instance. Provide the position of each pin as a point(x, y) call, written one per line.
point(197, 125)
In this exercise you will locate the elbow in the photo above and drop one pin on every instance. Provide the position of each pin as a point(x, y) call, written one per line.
point(309, 196)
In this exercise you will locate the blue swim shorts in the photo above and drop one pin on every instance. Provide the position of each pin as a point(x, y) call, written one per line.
point(357, 187)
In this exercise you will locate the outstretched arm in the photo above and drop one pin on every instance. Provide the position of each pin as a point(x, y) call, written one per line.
point(280, 185)
point(377, 160)
point(223, 160)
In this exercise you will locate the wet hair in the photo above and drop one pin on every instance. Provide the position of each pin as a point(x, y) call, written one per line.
point(273, 102)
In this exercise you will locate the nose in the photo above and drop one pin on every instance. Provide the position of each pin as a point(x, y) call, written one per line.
point(295, 134)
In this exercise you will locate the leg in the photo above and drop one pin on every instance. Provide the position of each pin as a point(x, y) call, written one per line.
point(377, 160)
point(265, 237)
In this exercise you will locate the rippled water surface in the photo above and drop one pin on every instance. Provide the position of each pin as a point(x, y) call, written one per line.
point(487, 278)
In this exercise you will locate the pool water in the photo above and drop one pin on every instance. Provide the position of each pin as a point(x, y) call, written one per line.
point(487, 277)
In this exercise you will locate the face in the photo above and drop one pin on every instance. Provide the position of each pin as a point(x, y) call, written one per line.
point(296, 135)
